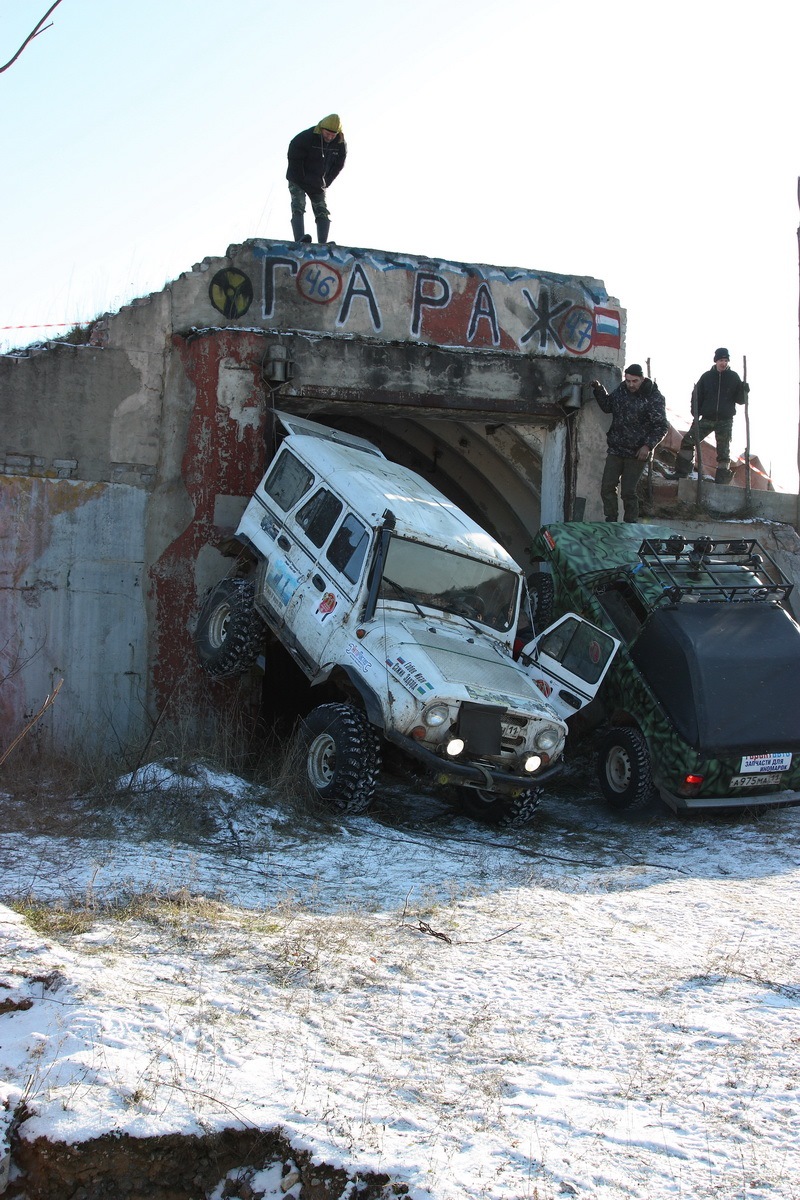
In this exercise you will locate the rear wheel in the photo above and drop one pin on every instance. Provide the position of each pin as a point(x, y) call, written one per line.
point(229, 632)
point(624, 771)
point(506, 812)
point(342, 756)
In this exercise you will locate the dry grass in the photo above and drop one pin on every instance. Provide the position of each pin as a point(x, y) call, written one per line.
point(98, 793)
point(152, 905)
point(172, 798)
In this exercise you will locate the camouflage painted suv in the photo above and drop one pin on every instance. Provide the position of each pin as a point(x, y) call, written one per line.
point(703, 698)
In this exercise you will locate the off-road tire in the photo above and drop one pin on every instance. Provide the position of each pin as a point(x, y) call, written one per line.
point(229, 632)
point(541, 590)
point(623, 768)
point(505, 812)
point(342, 756)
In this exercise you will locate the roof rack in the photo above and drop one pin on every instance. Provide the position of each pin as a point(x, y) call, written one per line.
point(736, 569)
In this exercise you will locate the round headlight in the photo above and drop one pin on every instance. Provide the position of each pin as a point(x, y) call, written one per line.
point(532, 763)
point(454, 746)
point(547, 738)
point(436, 714)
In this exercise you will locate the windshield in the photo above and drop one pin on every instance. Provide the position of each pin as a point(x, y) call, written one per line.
point(424, 575)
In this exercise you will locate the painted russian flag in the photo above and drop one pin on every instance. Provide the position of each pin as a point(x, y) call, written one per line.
point(606, 328)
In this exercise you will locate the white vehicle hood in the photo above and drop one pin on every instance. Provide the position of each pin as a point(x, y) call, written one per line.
point(449, 661)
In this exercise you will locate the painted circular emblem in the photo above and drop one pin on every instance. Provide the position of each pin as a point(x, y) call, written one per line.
point(575, 329)
point(318, 282)
point(231, 293)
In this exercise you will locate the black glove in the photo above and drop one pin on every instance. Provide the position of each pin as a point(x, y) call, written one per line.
point(746, 388)
point(598, 389)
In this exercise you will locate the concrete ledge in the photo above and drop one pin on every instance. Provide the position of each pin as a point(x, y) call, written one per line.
point(729, 501)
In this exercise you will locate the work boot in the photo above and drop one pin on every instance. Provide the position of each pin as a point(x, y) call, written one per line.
point(323, 229)
point(298, 227)
point(724, 474)
point(683, 467)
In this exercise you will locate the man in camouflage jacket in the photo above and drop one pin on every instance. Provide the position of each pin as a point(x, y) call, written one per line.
point(638, 423)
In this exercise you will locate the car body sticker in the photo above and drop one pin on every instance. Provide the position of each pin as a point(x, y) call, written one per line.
point(326, 606)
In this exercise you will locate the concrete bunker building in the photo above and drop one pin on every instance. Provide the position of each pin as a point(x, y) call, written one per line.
point(128, 460)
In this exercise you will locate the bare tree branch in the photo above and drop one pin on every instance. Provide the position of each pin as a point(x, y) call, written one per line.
point(48, 701)
point(40, 28)
point(14, 659)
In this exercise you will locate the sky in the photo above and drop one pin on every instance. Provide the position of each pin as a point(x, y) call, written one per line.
point(651, 145)
point(594, 1005)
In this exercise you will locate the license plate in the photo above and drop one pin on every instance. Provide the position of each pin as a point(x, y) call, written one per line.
point(763, 764)
point(751, 781)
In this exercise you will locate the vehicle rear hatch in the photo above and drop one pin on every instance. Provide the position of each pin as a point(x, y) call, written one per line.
point(727, 674)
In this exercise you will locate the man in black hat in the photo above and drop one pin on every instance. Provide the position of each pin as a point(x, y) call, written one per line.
point(714, 401)
point(316, 156)
point(638, 423)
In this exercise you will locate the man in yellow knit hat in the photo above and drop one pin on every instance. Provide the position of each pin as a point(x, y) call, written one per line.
point(316, 156)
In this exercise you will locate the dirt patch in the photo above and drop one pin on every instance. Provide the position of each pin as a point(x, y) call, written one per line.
point(177, 1167)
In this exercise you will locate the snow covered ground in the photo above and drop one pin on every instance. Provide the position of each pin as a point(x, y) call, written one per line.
point(596, 1005)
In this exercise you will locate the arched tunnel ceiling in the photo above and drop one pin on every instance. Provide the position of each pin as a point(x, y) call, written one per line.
point(492, 471)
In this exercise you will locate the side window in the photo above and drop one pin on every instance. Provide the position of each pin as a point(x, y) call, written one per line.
point(580, 648)
point(624, 608)
point(348, 548)
point(288, 481)
point(318, 515)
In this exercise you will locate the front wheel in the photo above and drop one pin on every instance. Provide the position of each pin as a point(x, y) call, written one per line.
point(229, 631)
point(342, 756)
point(505, 812)
point(623, 767)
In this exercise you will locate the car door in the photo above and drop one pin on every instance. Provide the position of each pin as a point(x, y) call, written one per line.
point(568, 662)
point(334, 544)
point(266, 524)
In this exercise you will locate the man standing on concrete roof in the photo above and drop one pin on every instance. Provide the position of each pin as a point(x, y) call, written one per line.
point(714, 400)
point(316, 156)
point(638, 423)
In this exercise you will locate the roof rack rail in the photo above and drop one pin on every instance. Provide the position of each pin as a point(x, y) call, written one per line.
point(728, 569)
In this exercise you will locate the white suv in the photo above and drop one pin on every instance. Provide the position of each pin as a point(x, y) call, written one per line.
point(404, 613)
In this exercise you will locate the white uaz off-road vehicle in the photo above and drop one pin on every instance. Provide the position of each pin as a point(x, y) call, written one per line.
point(403, 612)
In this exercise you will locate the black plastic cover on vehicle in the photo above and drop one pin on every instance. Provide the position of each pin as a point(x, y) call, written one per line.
point(727, 674)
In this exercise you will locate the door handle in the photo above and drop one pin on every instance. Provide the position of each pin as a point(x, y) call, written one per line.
point(284, 542)
point(318, 582)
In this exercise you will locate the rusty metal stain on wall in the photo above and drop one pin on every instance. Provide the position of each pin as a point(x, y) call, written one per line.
point(224, 456)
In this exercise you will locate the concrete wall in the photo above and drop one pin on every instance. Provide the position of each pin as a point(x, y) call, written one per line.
point(589, 431)
point(72, 584)
point(83, 413)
